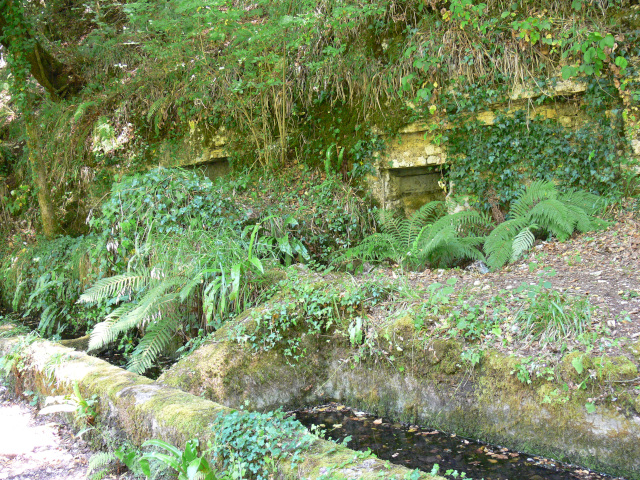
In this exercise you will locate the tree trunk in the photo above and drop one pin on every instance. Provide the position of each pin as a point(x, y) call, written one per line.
point(58, 79)
point(50, 224)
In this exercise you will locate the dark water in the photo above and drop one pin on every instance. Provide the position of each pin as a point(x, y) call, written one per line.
point(416, 447)
point(117, 358)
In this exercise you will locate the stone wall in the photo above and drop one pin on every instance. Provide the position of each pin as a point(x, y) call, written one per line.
point(408, 173)
point(141, 409)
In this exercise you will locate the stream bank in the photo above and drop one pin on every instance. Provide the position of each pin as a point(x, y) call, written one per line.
point(141, 409)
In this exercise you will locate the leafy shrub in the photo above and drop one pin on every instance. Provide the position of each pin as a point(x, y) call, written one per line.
point(260, 439)
point(320, 212)
point(430, 236)
point(158, 202)
point(541, 208)
point(170, 281)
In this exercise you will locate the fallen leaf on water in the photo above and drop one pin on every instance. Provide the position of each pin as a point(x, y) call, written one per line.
point(377, 422)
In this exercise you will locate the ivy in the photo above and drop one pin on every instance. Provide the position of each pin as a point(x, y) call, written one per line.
point(500, 159)
point(261, 440)
point(160, 201)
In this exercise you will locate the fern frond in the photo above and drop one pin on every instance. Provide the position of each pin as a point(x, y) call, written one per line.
point(157, 337)
point(553, 216)
point(100, 460)
point(103, 334)
point(81, 109)
point(536, 192)
point(428, 213)
point(522, 242)
point(155, 106)
point(588, 202)
point(109, 287)
point(498, 246)
point(435, 238)
point(401, 230)
point(579, 218)
point(462, 248)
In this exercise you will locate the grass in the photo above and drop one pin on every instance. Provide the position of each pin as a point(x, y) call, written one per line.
point(552, 316)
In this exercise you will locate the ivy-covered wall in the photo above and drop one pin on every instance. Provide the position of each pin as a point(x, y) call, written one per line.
point(559, 131)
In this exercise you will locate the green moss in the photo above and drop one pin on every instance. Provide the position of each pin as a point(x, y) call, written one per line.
point(568, 372)
point(403, 326)
point(326, 460)
point(634, 349)
point(614, 369)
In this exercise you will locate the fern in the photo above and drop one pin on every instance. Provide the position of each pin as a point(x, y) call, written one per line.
point(158, 336)
point(100, 465)
point(429, 237)
point(155, 299)
point(120, 284)
point(540, 207)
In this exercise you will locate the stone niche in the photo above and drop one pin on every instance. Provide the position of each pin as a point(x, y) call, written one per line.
point(200, 149)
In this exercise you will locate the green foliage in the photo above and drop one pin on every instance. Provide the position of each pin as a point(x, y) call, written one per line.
point(550, 316)
point(304, 212)
point(431, 236)
point(44, 281)
point(13, 362)
point(188, 464)
point(171, 277)
point(159, 202)
point(99, 465)
point(259, 439)
point(529, 369)
point(495, 161)
point(596, 49)
point(540, 208)
point(303, 307)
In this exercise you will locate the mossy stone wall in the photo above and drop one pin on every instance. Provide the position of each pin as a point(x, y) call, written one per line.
point(141, 409)
point(429, 385)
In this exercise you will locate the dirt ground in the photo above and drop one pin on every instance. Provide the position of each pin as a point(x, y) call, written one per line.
point(601, 267)
point(34, 447)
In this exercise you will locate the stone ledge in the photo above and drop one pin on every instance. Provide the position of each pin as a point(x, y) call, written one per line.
point(143, 409)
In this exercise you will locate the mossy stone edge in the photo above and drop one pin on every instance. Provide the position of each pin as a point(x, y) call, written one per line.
point(142, 409)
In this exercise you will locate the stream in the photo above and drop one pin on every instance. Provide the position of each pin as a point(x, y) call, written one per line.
point(422, 448)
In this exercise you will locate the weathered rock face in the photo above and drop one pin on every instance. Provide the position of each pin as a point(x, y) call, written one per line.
point(407, 175)
point(426, 385)
point(200, 148)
